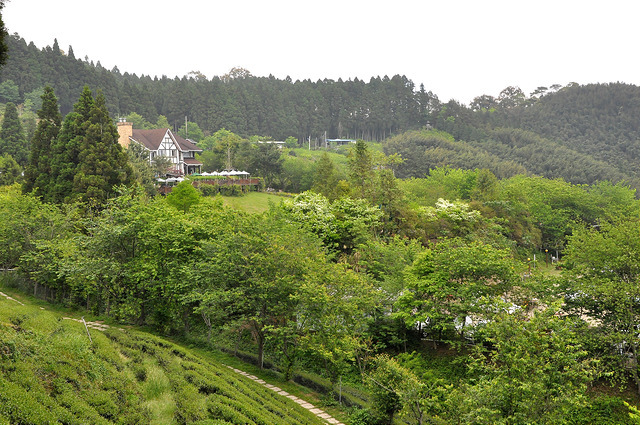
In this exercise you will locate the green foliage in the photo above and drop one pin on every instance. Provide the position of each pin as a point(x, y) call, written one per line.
point(341, 225)
point(87, 161)
point(9, 91)
point(426, 150)
point(26, 223)
point(535, 368)
point(139, 122)
point(325, 180)
point(385, 261)
point(605, 410)
point(266, 161)
point(184, 196)
point(191, 131)
point(450, 283)
point(12, 138)
point(583, 134)
point(602, 287)
point(10, 171)
point(361, 170)
point(143, 173)
point(297, 174)
point(396, 388)
point(38, 177)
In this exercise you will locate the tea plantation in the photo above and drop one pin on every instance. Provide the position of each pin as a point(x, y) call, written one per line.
point(52, 373)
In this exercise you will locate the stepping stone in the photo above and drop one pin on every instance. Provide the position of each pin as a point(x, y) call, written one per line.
point(316, 411)
point(260, 381)
point(324, 415)
point(284, 393)
point(276, 389)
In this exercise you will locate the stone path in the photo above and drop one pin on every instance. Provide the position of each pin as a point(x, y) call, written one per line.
point(9, 298)
point(318, 412)
point(97, 325)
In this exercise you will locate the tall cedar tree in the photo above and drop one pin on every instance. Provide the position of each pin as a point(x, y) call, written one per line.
point(361, 172)
point(326, 180)
point(88, 161)
point(12, 138)
point(103, 162)
point(38, 171)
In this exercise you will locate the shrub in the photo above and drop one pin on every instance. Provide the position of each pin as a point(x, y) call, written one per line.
point(231, 190)
point(604, 410)
point(20, 406)
point(208, 189)
point(190, 405)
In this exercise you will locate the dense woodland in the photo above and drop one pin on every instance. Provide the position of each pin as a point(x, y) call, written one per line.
point(583, 134)
point(465, 265)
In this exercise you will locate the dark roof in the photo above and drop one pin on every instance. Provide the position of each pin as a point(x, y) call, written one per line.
point(192, 161)
point(151, 139)
point(185, 144)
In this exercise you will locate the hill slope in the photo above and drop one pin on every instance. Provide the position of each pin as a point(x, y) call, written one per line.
point(50, 372)
point(582, 133)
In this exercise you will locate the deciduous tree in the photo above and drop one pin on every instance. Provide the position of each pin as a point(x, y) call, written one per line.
point(603, 284)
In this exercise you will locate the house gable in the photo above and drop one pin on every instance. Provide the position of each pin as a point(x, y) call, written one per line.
point(162, 142)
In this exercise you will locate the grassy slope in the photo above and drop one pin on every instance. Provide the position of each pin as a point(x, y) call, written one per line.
point(51, 373)
point(252, 202)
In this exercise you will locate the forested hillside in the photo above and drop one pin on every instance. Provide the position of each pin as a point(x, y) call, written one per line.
point(582, 134)
point(237, 101)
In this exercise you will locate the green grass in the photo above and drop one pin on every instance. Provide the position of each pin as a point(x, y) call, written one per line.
point(50, 372)
point(252, 202)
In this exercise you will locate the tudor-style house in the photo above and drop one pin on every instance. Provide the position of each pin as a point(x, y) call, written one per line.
point(163, 142)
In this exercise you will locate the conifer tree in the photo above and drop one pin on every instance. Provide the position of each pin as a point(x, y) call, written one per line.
point(66, 150)
point(102, 162)
point(12, 138)
point(38, 170)
point(326, 180)
point(88, 161)
point(361, 174)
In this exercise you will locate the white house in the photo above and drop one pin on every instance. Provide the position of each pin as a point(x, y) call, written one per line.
point(163, 142)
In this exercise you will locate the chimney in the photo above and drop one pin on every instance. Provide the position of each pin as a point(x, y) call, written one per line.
point(125, 130)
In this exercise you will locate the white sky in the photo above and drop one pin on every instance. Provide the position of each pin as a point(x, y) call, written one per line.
point(457, 48)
